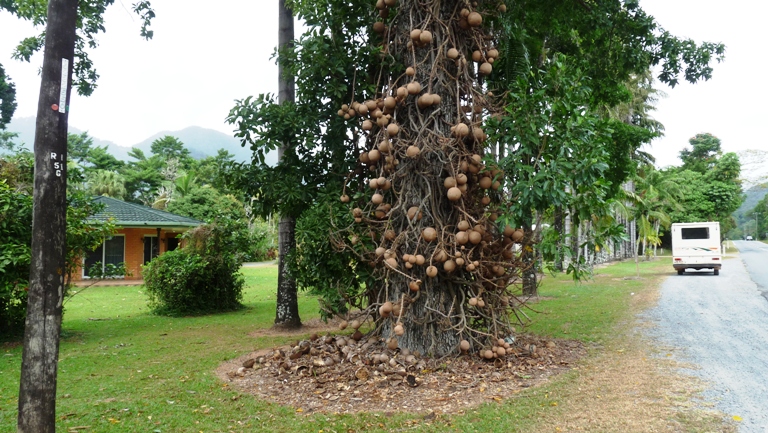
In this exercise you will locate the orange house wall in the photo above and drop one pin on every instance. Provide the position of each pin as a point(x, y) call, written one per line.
point(134, 250)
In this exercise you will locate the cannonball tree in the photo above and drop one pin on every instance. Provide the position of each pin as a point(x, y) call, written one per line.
point(426, 192)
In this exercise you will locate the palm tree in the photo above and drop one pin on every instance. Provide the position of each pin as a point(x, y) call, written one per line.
point(107, 183)
point(185, 183)
point(653, 193)
point(287, 314)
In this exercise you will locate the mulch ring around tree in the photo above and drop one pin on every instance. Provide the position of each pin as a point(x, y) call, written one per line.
point(335, 374)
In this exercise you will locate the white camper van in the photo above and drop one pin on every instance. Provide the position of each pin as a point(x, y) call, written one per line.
point(696, 246)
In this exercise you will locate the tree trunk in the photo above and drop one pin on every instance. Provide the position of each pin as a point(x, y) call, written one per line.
point(574, 229)
point(37, 390)
point(528, 258)
point(287, 314)
point(559, 225)
point(637, 257)
point(467, 298)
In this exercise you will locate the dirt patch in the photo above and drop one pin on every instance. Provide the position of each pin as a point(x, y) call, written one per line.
point(335, 374)
point(316, 326)
point(632, 385)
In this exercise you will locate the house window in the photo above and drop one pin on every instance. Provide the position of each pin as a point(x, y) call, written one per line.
point(110, 252)
point(151, 248)
point(173, 243)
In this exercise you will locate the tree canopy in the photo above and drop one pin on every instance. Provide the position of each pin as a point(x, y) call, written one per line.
point(508, 104)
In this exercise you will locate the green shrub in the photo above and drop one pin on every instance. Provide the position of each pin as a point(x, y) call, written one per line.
point(15, 238)
point(262, 243)
point(203, 277)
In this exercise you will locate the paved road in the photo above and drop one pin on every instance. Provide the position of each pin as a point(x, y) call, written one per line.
point(720, 324)
point(755, 257)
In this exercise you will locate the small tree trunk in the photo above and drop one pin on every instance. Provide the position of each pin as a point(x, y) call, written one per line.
point(287, 314)
point(37, 389)
point(559, 228)
point(637, 259)
point(528, 257)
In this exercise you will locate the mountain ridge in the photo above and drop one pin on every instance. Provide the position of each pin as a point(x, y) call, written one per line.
point(201, 142)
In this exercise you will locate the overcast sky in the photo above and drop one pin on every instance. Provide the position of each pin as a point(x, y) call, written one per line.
point(202, 58)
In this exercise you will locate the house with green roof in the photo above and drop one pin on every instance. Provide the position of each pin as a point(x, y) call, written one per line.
point(143, 234)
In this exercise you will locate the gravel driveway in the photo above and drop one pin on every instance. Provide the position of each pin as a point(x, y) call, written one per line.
point(720, 324)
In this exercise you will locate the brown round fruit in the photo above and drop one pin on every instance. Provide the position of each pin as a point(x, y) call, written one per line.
point(424, 101)
point(474, 237)
point(461, 130)
point(474, 19)
point(345, 198)
point(463, 225)
point(377, 199)
point(431, 271)
point(415, 34)
point(392, 129)
point(379, 27)
point(449, 266)
point(477, 56)
point(462, 238)
point(518, 235)
point(464, 345)
point(425, 37)
point(485, 182)
point(429, 234)
point(392, 262)
point(399, 330)
point(449, 182)
point(412, 151)
point(414, 87)
point(374, 155)
point(453, 53)
point(413, 212)
point(454, 194)
point(485, 69)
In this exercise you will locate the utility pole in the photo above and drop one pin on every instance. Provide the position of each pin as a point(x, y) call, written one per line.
point(757, 226)
point(37, 389)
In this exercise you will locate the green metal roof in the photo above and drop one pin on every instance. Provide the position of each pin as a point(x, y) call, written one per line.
point(132, 215)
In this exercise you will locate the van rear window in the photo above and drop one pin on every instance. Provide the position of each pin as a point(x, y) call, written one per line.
point(695, 233)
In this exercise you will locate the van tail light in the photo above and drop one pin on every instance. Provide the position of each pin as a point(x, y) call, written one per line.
point(678, 259)
point(715, 258)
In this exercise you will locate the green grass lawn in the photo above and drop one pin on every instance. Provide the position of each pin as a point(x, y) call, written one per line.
point(123, 369)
